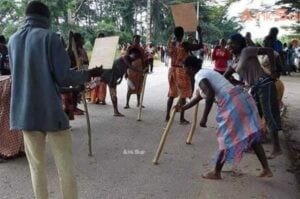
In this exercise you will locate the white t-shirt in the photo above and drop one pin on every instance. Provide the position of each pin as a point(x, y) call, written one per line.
point(217, 81)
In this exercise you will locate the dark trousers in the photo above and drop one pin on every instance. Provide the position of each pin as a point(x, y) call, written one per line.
point(150, 65)
point(265, 95)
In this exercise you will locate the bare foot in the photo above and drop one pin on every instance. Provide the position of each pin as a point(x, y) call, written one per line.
point(184, 122)
point(212, 175)
point(236, 172)
point(139, 106)
point(266, 173)
point(126, 107)
point(119, 115)
point(274, 154)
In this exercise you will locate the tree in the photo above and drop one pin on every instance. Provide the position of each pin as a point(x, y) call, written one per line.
point(9, 15)
point(293, 6)
point(121, 17)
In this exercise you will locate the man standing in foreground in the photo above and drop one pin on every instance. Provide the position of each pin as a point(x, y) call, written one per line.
point(39, 66)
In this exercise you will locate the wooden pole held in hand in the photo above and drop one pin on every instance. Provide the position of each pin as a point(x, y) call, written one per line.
point(142, 98)
point(194, 124)
point(88, 124)
point(72, 46)
point(164, 135)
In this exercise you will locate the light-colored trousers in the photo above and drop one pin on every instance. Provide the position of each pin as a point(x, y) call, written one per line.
point(61, 147)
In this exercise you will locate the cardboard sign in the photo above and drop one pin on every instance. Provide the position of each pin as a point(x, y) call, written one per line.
point(104, 52)
point(185, 15)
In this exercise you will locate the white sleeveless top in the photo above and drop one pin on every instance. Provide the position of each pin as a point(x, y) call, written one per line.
point(218, 82)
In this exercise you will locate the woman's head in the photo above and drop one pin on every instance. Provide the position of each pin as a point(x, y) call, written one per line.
point(100, 35)
point(178, 32)
point(236, 43)
point(274, 32)
point(136, 39)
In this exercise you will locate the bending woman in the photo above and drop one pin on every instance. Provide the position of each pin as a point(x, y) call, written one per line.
point(237, 117)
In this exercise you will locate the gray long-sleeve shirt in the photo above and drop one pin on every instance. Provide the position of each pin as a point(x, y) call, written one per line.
point(39, 66)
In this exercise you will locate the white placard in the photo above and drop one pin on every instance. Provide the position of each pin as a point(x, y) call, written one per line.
point(104, 52)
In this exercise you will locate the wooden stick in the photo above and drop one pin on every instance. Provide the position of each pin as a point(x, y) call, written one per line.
point(88, 124)
point(74, 49)
point(164, 135)
point(142, 98)
point(79, 65)
point(194, 124)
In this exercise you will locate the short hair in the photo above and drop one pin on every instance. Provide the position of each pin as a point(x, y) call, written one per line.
point(239, 39)
point(136, 36)
point(2, 39)
point(100, 35)
point(37, 8)
point(274, 30)
point(178, 31)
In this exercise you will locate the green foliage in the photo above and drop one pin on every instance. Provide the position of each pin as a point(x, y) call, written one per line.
point(9, 30)
point(293, 5)
point(216, 24)
point(117, 17)
point(125, 37)
point(9, 17)
point(288, 38)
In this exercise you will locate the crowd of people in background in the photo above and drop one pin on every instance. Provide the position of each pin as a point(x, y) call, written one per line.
point(289, 53)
